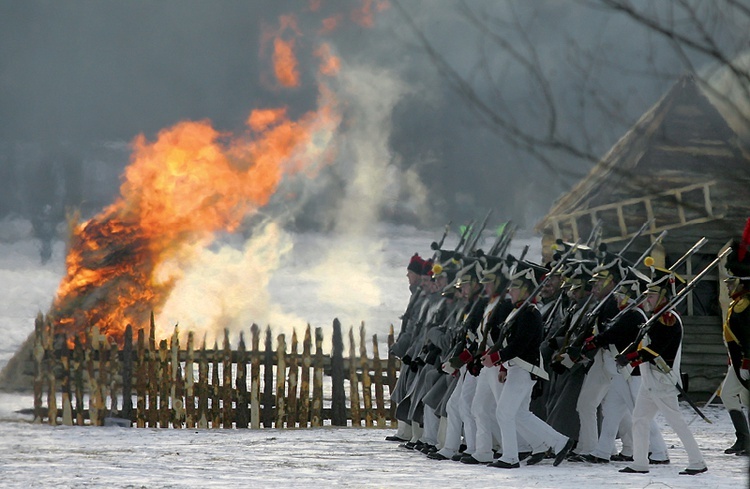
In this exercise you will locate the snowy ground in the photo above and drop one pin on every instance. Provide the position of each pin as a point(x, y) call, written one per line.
point(44, 456)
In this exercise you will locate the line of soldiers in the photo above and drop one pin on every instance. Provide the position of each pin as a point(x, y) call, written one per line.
point(504, 360)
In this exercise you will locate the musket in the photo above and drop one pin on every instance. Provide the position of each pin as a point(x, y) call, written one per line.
point(636, 235)
point(466, 232)
point(595, 311)
point(409, 307)
point(642, 297)
point(689, 253)
point(661, 364)
point(512, 316)
point(676, 300)
point(595, 230)
point(501, 243)
point(572, 330)
point(472, 243)
point(650, 248)
point(445, 234)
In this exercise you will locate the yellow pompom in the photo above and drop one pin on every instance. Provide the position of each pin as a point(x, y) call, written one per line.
point(649, 261)
point(437, 269)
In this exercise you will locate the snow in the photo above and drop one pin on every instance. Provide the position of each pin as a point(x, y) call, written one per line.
point(46, 456)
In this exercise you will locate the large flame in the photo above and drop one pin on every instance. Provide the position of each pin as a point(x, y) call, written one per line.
point(190, 183)
point(180, 189)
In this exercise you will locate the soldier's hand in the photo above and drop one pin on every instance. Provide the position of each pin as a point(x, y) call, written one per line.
point(502, 375)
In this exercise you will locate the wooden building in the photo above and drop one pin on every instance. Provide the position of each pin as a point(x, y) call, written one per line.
point(684, 168)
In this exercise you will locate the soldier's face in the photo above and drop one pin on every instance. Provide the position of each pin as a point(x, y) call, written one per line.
point(551, 286)
point(413, 278)
point(602, 286)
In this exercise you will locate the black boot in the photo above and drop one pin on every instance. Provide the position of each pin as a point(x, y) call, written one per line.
point(741, 430)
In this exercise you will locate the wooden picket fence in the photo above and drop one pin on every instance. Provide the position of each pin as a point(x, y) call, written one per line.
point(211, 388)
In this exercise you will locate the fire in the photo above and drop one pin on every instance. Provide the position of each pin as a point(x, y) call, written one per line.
point(191, 182)
point(188, 184)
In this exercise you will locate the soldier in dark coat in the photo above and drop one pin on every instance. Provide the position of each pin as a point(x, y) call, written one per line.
point(734, 391)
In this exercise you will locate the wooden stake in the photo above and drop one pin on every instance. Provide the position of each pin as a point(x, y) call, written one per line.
point(353, 382)
point(366, 385)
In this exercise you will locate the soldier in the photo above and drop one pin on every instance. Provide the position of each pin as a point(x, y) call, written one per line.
point(734, 391)
point(553, 301)
point(565, 383)
point(519, 357)
point(662, 343)
point(600, 370)
point(618, 404)
point(458, 407)
point(488, 388)
point(409, 321)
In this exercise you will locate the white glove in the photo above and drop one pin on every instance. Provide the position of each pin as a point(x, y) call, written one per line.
point(745, 369)
point(448, 369)
point(567, 361)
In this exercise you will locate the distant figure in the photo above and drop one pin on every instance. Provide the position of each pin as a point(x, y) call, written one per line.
point(44, 229)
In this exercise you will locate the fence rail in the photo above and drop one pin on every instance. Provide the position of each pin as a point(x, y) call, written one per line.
point(149, 385)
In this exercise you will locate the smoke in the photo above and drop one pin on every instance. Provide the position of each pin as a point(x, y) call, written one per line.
point(226, 287)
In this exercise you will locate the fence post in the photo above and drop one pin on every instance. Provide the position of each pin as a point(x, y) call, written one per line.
point(153, 376)
point(255, 378)
point(353, 382)
point(127, 375)
point(39, 373)
point(338, 402)
point(165, 381)
point(215, 389)
point(91, 348)
point(291, 420)
point(280, 380)
point(203, 413)
point(304, 390)
point(268, 381)
point(316, 416)
point(78, 367)
point(67, 410)
point(243, 415)
point(226, 369)
point(112, 377)
point(190, 382)
point(366, 385)
point(378, 374)
point(391, 366)
point(177, 391)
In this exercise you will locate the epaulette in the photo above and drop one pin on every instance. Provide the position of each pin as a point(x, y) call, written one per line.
point(741, 304)
point(668, 319)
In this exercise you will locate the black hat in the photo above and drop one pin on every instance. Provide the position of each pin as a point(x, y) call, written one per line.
point(634, 283)
point(528, 272)
point(610, 264)
point(662, 278)
point(493, 269)
point(416, 264)
point(578, 273)
point(469, 273)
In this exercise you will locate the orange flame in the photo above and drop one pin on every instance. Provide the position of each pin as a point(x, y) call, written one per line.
point(180, 189)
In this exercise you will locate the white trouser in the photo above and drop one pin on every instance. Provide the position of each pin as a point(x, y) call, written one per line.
point(513, 413)
point(657, 394)
point(465, 387)
point(733, 393)
point(431, 424)
point(595, 387)
point(442, 427)
point(416, 432)
point(617, 410)
point(483, 409)
point(404, 430)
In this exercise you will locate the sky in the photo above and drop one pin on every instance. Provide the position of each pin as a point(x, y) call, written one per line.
point(80, 80)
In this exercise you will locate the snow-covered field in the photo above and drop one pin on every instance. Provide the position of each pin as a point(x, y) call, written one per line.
point(44, 456)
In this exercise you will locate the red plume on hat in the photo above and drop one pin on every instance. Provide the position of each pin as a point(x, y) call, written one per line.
point(744, 242)
point(416, 264)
